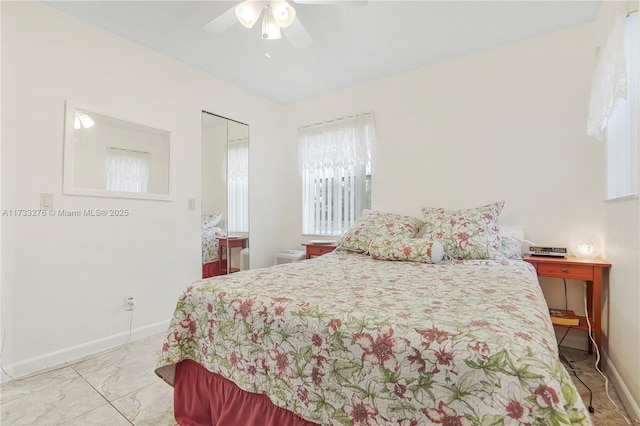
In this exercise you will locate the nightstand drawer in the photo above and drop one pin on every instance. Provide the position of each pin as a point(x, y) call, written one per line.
point(316, 249)
point(579, 272)
point(320, 250)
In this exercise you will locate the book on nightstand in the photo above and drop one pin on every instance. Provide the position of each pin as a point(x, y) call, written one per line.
point(563, 317)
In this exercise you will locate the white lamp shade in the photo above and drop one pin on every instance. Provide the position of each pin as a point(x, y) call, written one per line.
point(283, 13)
point(270, 28)
point(248, 12)
point(586, 246)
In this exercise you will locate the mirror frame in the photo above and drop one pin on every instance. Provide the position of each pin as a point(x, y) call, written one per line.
point(70, 187)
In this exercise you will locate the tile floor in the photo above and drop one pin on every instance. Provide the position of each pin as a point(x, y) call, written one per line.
point(605, 413)
point(119, 387)
point(116, 387)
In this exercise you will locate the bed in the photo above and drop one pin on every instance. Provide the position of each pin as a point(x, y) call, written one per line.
point(369, 338)
point(211, 234)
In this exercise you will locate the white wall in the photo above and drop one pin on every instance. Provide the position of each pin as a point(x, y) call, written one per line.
point(2, 322)
point(622, 338)
point(64, 278)
point(622, 242)
point(506, 124)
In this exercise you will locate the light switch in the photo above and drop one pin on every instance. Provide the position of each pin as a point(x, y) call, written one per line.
point(46, 201)
point(191, 205)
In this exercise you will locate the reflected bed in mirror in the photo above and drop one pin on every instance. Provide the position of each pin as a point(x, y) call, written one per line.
point(108, 157)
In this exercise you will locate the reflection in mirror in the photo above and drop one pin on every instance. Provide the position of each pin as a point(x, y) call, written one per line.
point(225, 195)
point(109, 157)
point(238, 175)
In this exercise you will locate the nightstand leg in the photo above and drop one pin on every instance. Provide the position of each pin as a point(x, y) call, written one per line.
point(596, 292)
point(591, 308)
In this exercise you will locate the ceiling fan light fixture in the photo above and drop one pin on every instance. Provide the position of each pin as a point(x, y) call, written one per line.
point(283, 13)
point(270, 28)
point(82, 121)
point(248, 12)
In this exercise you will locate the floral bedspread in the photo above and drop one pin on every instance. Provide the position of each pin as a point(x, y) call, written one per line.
point(343, 339)
point(210, 237)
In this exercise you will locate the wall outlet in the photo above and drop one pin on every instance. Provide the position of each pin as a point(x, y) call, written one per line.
point(128, 303)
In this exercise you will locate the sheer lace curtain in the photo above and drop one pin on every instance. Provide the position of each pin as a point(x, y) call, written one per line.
point(613, 105)
point(609, 81)
point(238, 185)
point(127, 170)
point(335, 162)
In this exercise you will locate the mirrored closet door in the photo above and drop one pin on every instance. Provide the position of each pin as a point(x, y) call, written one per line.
point(225, 195)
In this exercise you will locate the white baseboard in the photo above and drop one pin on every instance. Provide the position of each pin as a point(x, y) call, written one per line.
point(623, 391)
point(67, 355)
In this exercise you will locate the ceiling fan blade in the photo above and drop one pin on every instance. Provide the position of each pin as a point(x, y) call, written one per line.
point(297, 34)
point(223, 22)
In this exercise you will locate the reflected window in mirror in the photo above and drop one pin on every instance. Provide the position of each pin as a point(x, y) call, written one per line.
point(127, 170)
point(238, 185)
point(109, 157)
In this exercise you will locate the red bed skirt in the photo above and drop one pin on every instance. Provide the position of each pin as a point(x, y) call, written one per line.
point(202, 398)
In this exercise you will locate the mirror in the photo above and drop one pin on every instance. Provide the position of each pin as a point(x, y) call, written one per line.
point(109, 157)
point(225, 195)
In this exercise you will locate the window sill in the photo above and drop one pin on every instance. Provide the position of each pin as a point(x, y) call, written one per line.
point(623, 198)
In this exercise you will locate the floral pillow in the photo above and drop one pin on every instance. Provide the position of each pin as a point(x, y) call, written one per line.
point(409, 249)
point(465, 234)
point(374, 224)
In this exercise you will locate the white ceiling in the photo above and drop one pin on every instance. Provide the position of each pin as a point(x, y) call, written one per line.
point(352, 44)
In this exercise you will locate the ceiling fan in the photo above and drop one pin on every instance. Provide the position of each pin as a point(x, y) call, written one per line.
point(277, 16)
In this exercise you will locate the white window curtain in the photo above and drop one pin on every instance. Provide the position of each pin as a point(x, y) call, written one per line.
point(609, 81)
point(335, 162)
point(622, 127)
point(127, 170)
point(238, 185)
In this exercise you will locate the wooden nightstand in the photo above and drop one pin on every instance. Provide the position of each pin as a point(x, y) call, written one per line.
point(318, 249)
point(224, 247)
point(590, 270)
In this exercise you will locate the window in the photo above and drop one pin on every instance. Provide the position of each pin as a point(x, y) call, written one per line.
point(622, 127)
point(127, 170)
point(238, 185)
point(335, 162)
